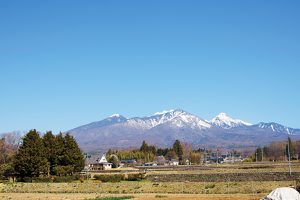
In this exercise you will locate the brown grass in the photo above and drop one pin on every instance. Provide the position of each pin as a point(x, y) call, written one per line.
point(149, 187)
point(247, 190)
point(67, 196)
point(229, 168)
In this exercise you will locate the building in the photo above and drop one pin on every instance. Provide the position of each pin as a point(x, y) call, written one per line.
point(233, 159)
point(129, 163)
point(150, 164)
point(101, 164)
point(174, 162)
point(160, 160)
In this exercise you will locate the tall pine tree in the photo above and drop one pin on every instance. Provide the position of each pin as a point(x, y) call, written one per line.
point(30, 160)
point(72, 154)
point(144, 147)
point(177, 147)
point(51, 150)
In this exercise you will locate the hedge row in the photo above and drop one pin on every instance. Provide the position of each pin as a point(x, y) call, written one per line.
point(119, 177)
point(54, 179)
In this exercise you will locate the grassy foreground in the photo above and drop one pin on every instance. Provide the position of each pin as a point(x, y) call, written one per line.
point(73, 196)
point(147, 187)
point(93, 189)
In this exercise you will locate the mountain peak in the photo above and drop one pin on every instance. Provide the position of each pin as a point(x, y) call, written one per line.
point(116, 116)
point(223, 115)
point(164, 112)
point(225, 121)
point(169, 111)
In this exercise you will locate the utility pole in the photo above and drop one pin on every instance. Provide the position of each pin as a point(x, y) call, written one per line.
point(217, 156)
point(289, 158)
point(262, 154)
point(256, 156)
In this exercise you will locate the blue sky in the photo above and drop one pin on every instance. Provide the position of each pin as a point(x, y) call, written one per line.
point(68, 63)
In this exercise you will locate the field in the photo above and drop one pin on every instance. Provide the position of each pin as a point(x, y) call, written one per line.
point(232, 181)
point(50, 196)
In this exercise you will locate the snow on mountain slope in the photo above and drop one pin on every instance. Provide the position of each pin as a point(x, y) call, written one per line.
point(276, 128)
point(177, 117)
point(185, 119)
point(224, 121)
point(113, 119)
point(165, 127)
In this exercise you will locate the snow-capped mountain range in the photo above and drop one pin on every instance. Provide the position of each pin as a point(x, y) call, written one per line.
point(163, 128)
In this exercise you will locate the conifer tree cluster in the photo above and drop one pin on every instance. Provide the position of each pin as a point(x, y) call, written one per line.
point(48, 155)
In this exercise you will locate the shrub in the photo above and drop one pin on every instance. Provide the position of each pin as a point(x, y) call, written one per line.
point(248, 159)
point(66, 179)
point(63, 170)
point(113, 198)
point(56, 179)
point(210, 186)
point(136, 177)
point(109, 178)
point(41, 179)
point(161, 196)
point(6, 170)
point(24, 179)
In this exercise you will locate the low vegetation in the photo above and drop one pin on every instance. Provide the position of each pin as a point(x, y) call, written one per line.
point(119, 177)
point(112, 198)
point(125, 187)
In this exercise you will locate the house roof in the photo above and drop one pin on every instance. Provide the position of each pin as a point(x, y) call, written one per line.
point(103, 159)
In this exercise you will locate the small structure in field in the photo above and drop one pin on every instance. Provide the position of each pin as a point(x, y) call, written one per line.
point(173, 162)
point(160, 160)
point(233, 159)
point(101, 164)
point(129, 163)
point(150, 164)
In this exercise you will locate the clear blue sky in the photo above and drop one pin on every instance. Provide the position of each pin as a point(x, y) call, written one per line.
point(68, 63)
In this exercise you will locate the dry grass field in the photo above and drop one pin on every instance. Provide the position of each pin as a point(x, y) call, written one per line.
point(148, 187)
point(89, 189)
point(228, 168)
point(72, 196)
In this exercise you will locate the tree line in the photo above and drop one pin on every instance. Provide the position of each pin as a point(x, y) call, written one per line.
point(278, 151)
point(148, 153)
point(49, 155)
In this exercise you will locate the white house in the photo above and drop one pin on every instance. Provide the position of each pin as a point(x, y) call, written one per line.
point(174, 162)
point(101, 164)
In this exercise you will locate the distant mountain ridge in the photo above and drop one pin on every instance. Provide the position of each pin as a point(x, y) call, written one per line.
point(163, 128)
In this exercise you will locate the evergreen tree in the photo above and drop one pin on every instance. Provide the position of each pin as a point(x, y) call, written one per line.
point(177, 147)
point(144, 147)
point(60, 142)
point(51, 150)
point(30, 159)
point(162, 152)
point(72, 155)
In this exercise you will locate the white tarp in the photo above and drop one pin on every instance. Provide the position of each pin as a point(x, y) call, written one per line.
point(284, 193)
